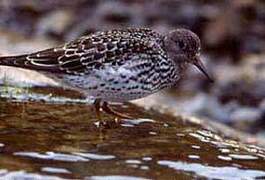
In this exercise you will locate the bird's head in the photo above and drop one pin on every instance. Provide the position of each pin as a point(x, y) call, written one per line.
point(183, 46)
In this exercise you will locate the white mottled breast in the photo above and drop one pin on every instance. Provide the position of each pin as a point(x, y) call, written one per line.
point(113, 83)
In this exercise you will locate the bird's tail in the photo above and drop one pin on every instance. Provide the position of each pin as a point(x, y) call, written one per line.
point(15, 61)
point(23, 78)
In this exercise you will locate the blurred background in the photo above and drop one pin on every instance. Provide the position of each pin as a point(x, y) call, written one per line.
point(232, 35)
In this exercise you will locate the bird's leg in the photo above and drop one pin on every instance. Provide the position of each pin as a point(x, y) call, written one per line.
point(107, 109)
point(97, 109)
point(99, 105)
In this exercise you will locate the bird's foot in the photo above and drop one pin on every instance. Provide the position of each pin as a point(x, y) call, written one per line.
point(108, 124)
point(103, 106)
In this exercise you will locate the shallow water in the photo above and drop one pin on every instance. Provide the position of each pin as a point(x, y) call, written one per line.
point(50, 141)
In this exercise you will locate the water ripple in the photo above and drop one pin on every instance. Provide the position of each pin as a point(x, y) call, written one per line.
point(242, 156)
point(138, 121)
point(223, 173)
point(5, 174)
point(55, 170)
point(52, 156)
point(95, 156)
point(116, 178)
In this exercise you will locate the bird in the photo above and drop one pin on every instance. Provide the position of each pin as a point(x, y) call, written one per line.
point(117, 65)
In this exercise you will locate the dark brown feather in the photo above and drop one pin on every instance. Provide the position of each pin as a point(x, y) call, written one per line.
point(82, 54)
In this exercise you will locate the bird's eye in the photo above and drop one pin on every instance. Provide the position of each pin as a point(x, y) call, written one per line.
point(181, 44)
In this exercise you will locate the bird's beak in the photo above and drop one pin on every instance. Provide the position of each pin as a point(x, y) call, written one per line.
point(198, 63)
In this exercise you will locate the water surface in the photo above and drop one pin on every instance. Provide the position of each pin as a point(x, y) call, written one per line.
point(50, 140)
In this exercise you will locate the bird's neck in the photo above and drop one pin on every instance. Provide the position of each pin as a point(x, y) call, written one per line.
point(178, 61)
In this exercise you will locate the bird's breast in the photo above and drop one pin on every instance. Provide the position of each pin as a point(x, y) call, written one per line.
point(112, 83)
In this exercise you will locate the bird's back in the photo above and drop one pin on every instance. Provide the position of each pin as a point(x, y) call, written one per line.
point(92, 51)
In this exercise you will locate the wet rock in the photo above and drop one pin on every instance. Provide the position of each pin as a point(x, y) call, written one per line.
point(54, 24)
point(227, 28)
point(243, 85)
point(235, 98)
point(246, 114)
point(14, 43)
point(10, 76)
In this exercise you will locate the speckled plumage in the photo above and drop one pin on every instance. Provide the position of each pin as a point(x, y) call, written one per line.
point(116, 65)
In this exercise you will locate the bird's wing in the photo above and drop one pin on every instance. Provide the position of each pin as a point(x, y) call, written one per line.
point(86, 53)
